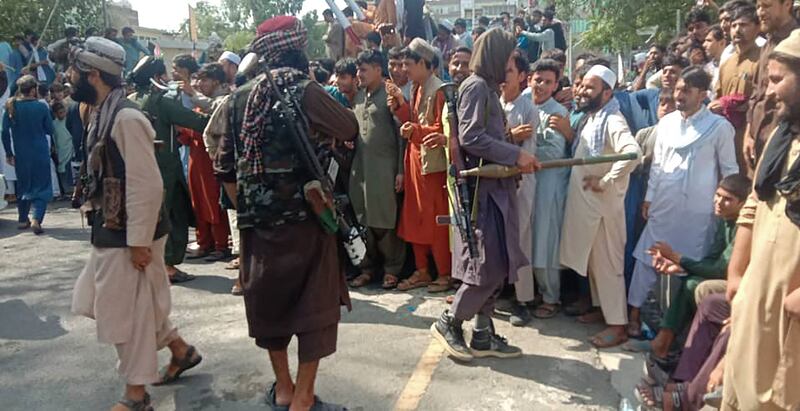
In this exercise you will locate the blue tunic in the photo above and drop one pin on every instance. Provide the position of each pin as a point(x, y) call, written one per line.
point(31, 125)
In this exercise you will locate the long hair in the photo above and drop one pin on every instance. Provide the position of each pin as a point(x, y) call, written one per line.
point(295, 59)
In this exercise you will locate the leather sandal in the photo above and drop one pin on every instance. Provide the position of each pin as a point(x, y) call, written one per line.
point(361, 280)
point(141, 405)
point(389, 281)
point(188, 362)
point(417, 280)
point(442, 284)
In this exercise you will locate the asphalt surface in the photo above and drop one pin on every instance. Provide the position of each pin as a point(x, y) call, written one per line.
point(50, 359)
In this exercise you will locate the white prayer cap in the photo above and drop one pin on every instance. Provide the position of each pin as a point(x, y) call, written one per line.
point(232, 57)
point(604, 73)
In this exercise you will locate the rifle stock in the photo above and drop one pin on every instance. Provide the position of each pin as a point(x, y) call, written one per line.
point(461, 199)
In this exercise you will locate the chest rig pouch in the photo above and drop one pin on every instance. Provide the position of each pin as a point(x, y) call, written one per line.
point(106, 189)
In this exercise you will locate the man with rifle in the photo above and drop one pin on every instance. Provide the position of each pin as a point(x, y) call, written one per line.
point(485, 262)
point(291, 274)
point(166, 112)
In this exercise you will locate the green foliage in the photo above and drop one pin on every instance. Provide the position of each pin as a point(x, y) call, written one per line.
point(255, 11)
point(18, 15)
point(613, 24)
point(238, 41)
point(316, 47)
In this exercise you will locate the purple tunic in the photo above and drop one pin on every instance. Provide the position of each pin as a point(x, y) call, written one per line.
point(481, 131)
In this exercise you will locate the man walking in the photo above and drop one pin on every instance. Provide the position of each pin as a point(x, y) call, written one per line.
point(482, 136)
point(593, 235)
point(291, 274)
point(124, 286)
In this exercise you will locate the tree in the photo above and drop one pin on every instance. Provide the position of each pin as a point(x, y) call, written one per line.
point(253, 12)
point(239, 41)
point(613, 24)
point(18, 16)
point(316, 47)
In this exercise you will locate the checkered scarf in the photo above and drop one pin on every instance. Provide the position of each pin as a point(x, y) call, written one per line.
point(257, 111)
point(258, 115)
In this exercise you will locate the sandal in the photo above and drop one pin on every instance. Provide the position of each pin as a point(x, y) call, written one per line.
point(637, 346)
point(180, 277)
point(361, 280)
point(545, 311)
point(443, 283)
point(577, 308)
point(272, 402)
point(189, 361)
point(233, 264)
point(649, 396)
point(605, 340)
point(653, 374)
point(141, 405)
point(389, 281)
point(634, 329)
point(417, 280)
point(591, 317)
point(24, 226)
point(319, 405)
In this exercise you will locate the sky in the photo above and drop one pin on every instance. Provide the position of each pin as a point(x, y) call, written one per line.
point(169, 14)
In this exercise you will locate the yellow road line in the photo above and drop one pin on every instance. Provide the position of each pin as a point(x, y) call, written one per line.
point(420, 378)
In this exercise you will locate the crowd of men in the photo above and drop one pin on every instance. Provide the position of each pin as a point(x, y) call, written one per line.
point(686, 250)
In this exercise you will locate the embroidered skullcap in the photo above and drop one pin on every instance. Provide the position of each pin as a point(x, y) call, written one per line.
point(100, 53)
point(790, 45)
point(422, 48)
point(231, 57)
point(604, 73)
point(278, 35)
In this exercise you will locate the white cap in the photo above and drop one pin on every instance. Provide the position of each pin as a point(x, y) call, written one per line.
point(232, 57)
point(604, 73)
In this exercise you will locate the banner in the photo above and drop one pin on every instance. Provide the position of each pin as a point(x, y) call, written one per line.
point(192, 25)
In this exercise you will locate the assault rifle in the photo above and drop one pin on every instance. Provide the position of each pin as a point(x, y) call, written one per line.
point(350, 232)
point(460, 199)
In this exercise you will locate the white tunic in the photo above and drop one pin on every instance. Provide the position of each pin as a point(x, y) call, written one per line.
point(690, 156)
point(585, 209)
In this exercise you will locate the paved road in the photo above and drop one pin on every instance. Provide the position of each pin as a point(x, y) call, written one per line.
point(51, 360)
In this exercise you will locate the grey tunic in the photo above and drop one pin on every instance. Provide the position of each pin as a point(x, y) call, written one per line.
point(378, 160)
point(482, 135)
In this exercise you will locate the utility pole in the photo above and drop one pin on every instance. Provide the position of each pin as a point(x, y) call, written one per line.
point(105, 15)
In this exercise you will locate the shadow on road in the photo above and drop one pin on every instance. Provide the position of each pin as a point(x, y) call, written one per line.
point(19, 322)
point(368, 312)
point(214, 284)
point(562, 373)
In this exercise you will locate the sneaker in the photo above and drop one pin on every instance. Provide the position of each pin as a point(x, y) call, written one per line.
point(448, 332)
point(486, 343)
point(520, 315)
